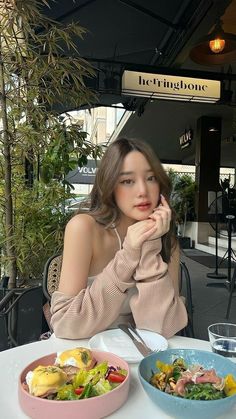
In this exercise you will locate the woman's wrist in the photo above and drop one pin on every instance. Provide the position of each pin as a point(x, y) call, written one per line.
point(152, 244)
point(134, 251)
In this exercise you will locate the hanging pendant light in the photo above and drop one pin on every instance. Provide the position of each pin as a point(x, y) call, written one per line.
point(218, 47)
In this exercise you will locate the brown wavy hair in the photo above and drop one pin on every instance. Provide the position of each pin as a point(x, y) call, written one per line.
point(102, 204)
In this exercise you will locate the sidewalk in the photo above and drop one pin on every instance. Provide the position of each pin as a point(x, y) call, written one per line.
point(210, 303)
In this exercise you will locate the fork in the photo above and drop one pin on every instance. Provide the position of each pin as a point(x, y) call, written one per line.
point(134, 330)
point(140, 344)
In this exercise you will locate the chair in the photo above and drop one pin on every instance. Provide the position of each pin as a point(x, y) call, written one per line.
point(186, 291)
point(232, 289)
point(51, 275)
point(4, 305)
point(21, 316)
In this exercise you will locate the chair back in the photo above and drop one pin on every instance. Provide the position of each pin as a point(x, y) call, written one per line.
point(186, 292)
point(25, 317)
point(4, 342)
point(231, 289)
point(5, 301)
point(21, 313)
point(51, 275)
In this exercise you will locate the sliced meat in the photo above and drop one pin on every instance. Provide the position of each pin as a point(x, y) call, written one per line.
point(208, 376)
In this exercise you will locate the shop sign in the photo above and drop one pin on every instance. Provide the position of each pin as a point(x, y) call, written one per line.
point(168, 87)
point(83, 175)
point(186, 138)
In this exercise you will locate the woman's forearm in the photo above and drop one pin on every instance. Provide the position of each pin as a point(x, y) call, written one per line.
point(156, 306)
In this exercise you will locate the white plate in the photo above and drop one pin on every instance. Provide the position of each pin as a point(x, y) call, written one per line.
point(117, 342)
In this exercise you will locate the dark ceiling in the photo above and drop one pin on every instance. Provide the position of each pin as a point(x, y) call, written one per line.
point(154, 36)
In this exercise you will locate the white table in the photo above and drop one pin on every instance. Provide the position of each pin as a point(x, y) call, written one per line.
point(137, 406)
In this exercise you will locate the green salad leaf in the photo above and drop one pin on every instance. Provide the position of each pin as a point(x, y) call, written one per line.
point(86, 384)
point(103, 386)
point(84, 377)
point(202, 391)
point(67, 393)
point(89, 391)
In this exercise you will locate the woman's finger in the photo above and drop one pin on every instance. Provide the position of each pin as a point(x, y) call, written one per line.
point(161, 212)
point(162, 219)
point(164, 201)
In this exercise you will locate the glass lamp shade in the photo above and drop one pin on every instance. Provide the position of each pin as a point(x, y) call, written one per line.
point(217, 45)
point(216, 48)
point(220, 54)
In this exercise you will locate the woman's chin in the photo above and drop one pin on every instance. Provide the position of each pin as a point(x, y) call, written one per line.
point(142, 217)
point(138, 215)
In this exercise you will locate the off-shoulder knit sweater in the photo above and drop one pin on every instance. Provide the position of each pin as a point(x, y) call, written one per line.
point(154, 307)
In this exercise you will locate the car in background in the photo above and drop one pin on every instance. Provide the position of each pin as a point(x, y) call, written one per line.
point(73, 204)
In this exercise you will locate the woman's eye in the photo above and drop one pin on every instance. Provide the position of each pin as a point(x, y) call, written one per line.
point(126, 181)
point(152, 178)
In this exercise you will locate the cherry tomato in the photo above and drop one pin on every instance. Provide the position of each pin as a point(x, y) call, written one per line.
point(116, 377)
point(79, 390)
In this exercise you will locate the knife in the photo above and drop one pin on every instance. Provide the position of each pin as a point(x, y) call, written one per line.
point(142, 347)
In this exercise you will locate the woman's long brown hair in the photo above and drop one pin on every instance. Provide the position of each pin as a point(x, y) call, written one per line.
point(102, 203)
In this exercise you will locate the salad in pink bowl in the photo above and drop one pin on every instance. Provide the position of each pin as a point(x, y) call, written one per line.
point(76, 383)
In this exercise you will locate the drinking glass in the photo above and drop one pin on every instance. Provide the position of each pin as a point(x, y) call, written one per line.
point(222, 338)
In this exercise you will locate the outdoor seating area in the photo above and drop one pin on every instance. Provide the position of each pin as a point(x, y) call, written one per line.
point(210, 302)
point(117, 209)
point(21, 316)
point(206, 304)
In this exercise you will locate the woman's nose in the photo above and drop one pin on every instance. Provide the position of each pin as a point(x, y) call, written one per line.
point(142, 188)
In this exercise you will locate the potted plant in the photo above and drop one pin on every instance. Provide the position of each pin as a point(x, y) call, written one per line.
point(183, 203)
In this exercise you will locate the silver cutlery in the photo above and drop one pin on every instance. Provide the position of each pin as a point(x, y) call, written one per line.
point(134, 330)
point(140, 344)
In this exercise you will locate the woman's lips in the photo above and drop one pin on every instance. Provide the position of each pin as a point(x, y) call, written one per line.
point(143, 207)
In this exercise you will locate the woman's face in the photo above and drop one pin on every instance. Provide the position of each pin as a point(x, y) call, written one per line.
point(137, 190)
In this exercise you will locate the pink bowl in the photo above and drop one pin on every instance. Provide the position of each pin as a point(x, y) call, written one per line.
point(94, 408)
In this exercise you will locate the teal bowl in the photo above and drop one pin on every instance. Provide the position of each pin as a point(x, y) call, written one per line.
point(178, 407)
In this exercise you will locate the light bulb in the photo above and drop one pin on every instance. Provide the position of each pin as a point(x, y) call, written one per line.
point(217, 45)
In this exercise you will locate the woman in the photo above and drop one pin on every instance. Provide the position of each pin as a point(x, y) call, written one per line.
point(120, 259)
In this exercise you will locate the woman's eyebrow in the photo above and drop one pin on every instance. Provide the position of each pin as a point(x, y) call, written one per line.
point(125, 173)
point(131, 173)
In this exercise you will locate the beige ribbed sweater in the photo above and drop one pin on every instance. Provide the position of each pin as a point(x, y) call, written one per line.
point(154, 307)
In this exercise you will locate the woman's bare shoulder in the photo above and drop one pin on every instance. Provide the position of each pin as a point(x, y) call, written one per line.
point(79, 238)
point(82, 223)
point(83, 231)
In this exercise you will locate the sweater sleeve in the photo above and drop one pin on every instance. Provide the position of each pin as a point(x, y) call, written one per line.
point(156, 307)
point(96, 307)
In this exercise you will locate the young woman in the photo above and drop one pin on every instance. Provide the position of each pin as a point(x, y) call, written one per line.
point(120, 259)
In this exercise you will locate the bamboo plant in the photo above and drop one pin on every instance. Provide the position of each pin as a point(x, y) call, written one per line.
point(40, 72)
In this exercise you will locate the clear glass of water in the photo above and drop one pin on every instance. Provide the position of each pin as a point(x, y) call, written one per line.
point(222, 338)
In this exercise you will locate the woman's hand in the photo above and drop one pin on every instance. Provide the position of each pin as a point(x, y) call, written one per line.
point(162, 218)
point(141, 231)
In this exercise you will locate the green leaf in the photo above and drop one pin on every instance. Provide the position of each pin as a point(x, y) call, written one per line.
point(203, 391)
